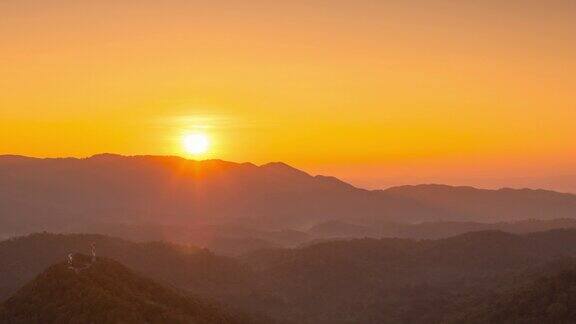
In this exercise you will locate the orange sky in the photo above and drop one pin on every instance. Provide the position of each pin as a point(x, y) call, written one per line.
point(375, 92)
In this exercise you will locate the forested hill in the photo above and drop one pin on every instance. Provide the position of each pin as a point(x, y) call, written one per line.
point(548, 299)
point(106, 292)
point(346, 281)
point(399, 280)
point(21, 259)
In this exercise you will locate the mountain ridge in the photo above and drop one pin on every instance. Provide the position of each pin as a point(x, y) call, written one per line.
point(279, 165)
point(68, 194)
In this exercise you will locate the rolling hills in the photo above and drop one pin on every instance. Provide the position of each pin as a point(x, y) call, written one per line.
point(188, 267)
point(548, 298)
point(355, 280)
point(106, 292)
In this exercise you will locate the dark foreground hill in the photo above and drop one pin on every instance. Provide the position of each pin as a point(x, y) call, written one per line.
point(347, 281)
point(398, 280)
point(547, 299)
point(106, 292)
point(199, 270)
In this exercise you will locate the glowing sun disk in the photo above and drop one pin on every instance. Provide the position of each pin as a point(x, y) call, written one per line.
point(196, 143)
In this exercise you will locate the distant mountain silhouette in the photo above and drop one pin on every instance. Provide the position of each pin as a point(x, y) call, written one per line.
point(340, 229)
point(433, 230)
point(481, 205)
point(72, 194)
point(106, 292)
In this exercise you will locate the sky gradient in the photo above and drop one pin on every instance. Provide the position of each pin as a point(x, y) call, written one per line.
point(375, 92)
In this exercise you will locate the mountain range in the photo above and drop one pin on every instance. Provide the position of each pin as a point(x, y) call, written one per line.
point(138, 193)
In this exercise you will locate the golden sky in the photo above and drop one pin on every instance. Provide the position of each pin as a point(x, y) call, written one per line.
point(376, 92)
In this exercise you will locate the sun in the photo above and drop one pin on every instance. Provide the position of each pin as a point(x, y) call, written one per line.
point(197, 143)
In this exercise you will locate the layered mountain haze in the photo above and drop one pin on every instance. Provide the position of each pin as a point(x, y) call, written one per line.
point(72, 194)
point(471, 204)
point(171, 190)
point(433, 230)
point(289, 162)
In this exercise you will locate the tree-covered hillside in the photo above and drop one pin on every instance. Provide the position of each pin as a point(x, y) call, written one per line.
point(106, 292)
point(345, 281)
point(196, 269)
point(547, 299)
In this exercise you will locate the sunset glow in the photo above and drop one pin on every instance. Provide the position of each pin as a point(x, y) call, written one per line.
point(301, 161)
point(375, 92)
point(196, 144)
